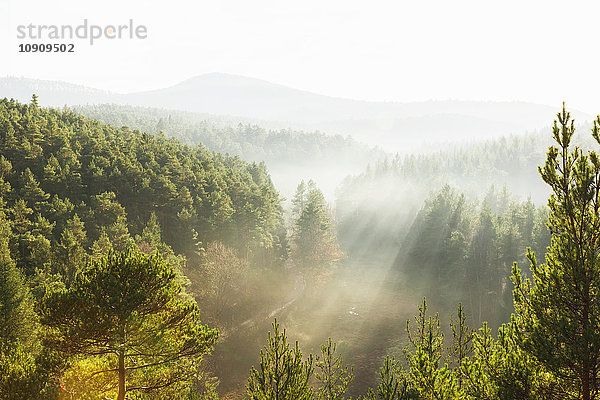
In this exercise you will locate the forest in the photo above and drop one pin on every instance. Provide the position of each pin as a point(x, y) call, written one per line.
point(147, 254)
point(285, 151)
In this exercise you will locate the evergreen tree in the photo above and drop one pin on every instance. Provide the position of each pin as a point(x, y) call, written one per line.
point(559, 308)
point(283, 375)
point(428, 375)
point(333, 376)
point(18, 328)
point(299, 200)
point(393, 385)
point(128, 307)
point(31, 192)
point(315, 242)
point(72, 256)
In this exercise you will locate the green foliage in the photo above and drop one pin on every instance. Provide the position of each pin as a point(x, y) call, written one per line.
point(393, 385)
point(71, 254)
point(475, 366)
point(17, 318)
point(462, 339)
point(558, 309)
point(73, 190)
point(283, 375)
point(21, 376)
point(426, 372)
point(461, 252)
point(56, 164)
point(314, 238)
point(499, 369)
point(374, 208)
point(333, 376)
point(228, 135)
point(86, 208)
point(128, 306)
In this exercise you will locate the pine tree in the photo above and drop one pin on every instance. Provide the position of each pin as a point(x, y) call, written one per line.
point(18, 327)
point(334, 377)
point(72, 256)
point(429, 376)
point(560, 307)
point(283, 375)
point(128, 306)
point(31, 192)
point(392, 383)
point(299, 200)
point(5, 168)
point(16, 306)
point(482, 259)
point(315, 242)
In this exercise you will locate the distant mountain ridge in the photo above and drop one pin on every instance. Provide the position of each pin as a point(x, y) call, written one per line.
point(53, 93)
point(391, 124)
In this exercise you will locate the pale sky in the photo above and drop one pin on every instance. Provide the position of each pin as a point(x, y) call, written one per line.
point(538, 51)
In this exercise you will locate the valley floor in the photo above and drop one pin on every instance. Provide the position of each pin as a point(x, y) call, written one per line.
point(363, 307)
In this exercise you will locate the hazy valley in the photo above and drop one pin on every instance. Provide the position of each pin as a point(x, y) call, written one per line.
point(336, 217)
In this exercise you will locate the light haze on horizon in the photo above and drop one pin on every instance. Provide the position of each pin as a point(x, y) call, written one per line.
point(537, 51)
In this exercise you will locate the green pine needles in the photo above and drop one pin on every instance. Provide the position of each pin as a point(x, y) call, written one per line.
point(128, 309)
point(283, 374)
point(558, 310)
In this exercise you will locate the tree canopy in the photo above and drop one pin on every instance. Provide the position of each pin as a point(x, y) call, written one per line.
point(129, 307)
point(558, 308)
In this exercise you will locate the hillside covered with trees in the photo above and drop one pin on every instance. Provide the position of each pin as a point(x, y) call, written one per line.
point(74, 194)
point(137, 267)
point(290, 154)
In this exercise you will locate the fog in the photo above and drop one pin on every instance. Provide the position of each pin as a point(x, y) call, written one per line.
point(397, 127)
point(324, 164)
point(432, 199)
point(384, 219)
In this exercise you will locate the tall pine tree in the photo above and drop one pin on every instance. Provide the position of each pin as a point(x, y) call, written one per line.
point(559, 309)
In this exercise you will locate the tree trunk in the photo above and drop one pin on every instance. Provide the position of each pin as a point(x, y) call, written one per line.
point(585, 387)
point(586, 356)
point(122, 388)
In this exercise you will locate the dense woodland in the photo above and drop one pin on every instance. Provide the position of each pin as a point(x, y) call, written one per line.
point(462, 252)
point(127, 257)
point(547, 348)
point(75, 194)
point(367, 203)
point(246, 138)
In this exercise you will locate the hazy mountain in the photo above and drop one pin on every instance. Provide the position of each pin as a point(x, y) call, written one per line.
point(395, 125)
point(387, 123)
point(53, 93)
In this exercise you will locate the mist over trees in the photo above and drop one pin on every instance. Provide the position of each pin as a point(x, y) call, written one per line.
point(74, 191)
point(367, 203)
point(547, 348)
point(249, 139)
point(313, 234)
point(461, 252)
point(290, 154)
point(397, 126)
point(557, 308)
point(135, 266)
